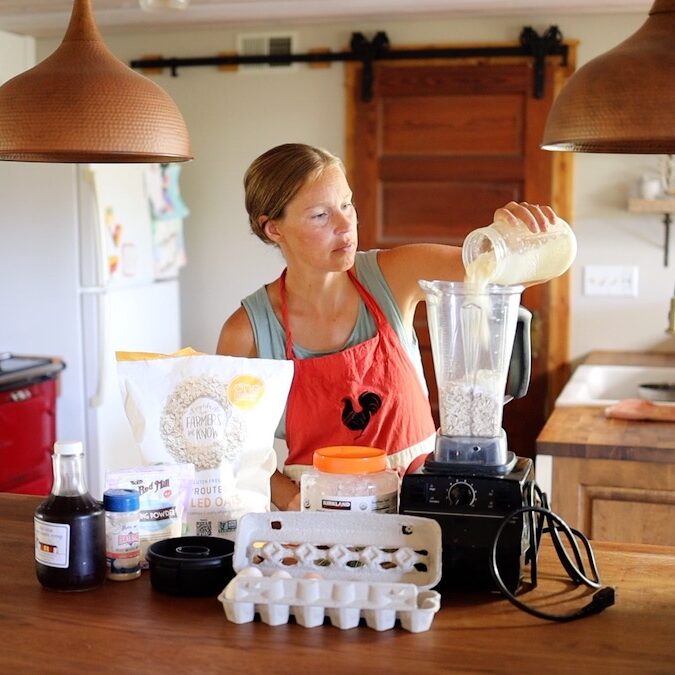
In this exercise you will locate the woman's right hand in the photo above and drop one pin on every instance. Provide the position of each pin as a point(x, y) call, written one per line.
point(536, 218)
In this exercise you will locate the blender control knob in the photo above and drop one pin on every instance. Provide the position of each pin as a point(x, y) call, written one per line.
point(461, 494)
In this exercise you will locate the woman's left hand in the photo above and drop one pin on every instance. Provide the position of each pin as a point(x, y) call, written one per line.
point(537, 218)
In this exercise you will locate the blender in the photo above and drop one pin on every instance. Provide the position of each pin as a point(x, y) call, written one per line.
point(480, 340)
point(479, 366)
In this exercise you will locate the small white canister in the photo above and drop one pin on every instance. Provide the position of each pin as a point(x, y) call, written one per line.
point(350, 478)
point(122, 538)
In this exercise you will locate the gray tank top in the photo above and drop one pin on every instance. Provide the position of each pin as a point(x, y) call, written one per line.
point(270, 338)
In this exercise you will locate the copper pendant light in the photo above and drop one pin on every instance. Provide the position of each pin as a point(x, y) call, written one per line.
point(624, 100)
point(82, 104)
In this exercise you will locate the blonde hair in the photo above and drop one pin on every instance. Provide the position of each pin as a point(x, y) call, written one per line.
point(274, 178)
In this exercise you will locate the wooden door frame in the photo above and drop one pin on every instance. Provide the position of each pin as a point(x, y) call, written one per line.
point(557, 354)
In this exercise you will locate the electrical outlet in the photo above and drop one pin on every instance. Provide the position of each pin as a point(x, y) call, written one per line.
point(615, 280)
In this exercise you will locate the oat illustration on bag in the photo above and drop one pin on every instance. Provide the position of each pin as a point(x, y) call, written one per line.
point(200, 425)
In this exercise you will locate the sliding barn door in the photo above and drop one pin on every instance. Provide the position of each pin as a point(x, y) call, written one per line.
point(439, 147)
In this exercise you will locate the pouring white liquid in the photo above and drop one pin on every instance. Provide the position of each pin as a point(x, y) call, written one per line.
point(472, 406)
point(480, 270)
point(508, 256)
point(471, 335)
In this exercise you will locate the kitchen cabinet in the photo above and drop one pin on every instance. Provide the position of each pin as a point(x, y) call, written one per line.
point(612, 479)
point(616, 500)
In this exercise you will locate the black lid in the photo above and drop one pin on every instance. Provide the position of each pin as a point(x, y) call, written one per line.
point(191, 565)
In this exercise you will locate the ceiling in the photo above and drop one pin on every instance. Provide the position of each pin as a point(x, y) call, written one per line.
point(41, 18)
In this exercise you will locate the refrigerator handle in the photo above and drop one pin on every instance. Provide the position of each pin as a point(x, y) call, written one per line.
point(96, 400)
point(100, 276)
point(100, 280)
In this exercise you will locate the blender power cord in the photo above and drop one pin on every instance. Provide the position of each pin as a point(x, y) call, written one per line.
point(548, 522)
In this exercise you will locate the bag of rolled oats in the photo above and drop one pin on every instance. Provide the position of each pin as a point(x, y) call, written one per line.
point(218, 413)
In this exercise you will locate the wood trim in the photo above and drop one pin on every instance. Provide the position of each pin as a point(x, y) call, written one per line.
point(350, 78)
point(562, 194)
point(357, 126)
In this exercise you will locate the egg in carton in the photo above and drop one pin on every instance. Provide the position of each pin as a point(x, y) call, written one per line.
point(347, 566)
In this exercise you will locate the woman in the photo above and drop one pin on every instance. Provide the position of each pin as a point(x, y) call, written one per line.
point(344, 317)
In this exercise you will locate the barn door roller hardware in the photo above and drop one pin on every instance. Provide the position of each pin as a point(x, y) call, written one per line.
point(378, 49)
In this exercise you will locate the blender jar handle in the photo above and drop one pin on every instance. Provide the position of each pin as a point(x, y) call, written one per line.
point(520, 367)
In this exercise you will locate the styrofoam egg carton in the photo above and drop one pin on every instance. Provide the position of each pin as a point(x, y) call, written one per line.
point(349, 567)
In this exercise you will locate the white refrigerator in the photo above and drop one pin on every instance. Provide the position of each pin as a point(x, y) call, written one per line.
point(89, 259)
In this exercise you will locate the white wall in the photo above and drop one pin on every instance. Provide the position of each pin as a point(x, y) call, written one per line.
point(16, 54)
point(233, 117)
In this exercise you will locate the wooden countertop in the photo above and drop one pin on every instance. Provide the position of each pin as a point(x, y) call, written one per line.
point(584, 431)
point(128, 627)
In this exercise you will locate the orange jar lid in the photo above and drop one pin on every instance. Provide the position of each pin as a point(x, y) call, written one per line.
point(350, 459)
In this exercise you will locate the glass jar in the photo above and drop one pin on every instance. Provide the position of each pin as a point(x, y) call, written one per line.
point(69, 527)
point(122, 539)
point(350, 478)
point(514, 255)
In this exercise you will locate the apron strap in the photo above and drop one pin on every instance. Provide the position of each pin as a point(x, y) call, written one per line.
point(367, 298)
point(284, 316)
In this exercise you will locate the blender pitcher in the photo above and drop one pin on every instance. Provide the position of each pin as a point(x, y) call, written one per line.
point(472, 330)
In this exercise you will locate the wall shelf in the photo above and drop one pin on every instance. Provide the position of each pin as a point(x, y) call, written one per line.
point(664, 206)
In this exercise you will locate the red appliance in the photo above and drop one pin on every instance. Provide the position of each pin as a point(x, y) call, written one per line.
point(28, 390)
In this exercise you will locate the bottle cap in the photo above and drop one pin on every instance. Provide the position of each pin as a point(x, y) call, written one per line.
point(121, 500)
point(350, 459)
point(68, 448)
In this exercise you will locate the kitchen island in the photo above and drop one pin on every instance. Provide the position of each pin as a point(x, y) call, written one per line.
point(613, 479)
point(128, 627)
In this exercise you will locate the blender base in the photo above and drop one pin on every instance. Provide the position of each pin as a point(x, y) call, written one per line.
point(471, 455)
point(470, 509)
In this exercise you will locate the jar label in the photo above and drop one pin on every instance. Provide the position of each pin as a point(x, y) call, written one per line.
point(384, 503)
point(52, 544)
point(123, 554)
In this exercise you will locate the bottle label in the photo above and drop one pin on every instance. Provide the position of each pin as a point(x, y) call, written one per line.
point(52, 543)
point(384, 503)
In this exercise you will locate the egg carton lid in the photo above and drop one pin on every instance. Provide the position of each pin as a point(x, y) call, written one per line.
point(370, 547)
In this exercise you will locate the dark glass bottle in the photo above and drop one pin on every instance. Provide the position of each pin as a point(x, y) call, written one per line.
point(70, 527)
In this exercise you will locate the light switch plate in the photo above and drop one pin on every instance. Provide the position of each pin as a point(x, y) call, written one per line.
point(611, 280)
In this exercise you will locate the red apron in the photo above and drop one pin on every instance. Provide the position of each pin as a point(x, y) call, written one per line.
point(368, 395)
